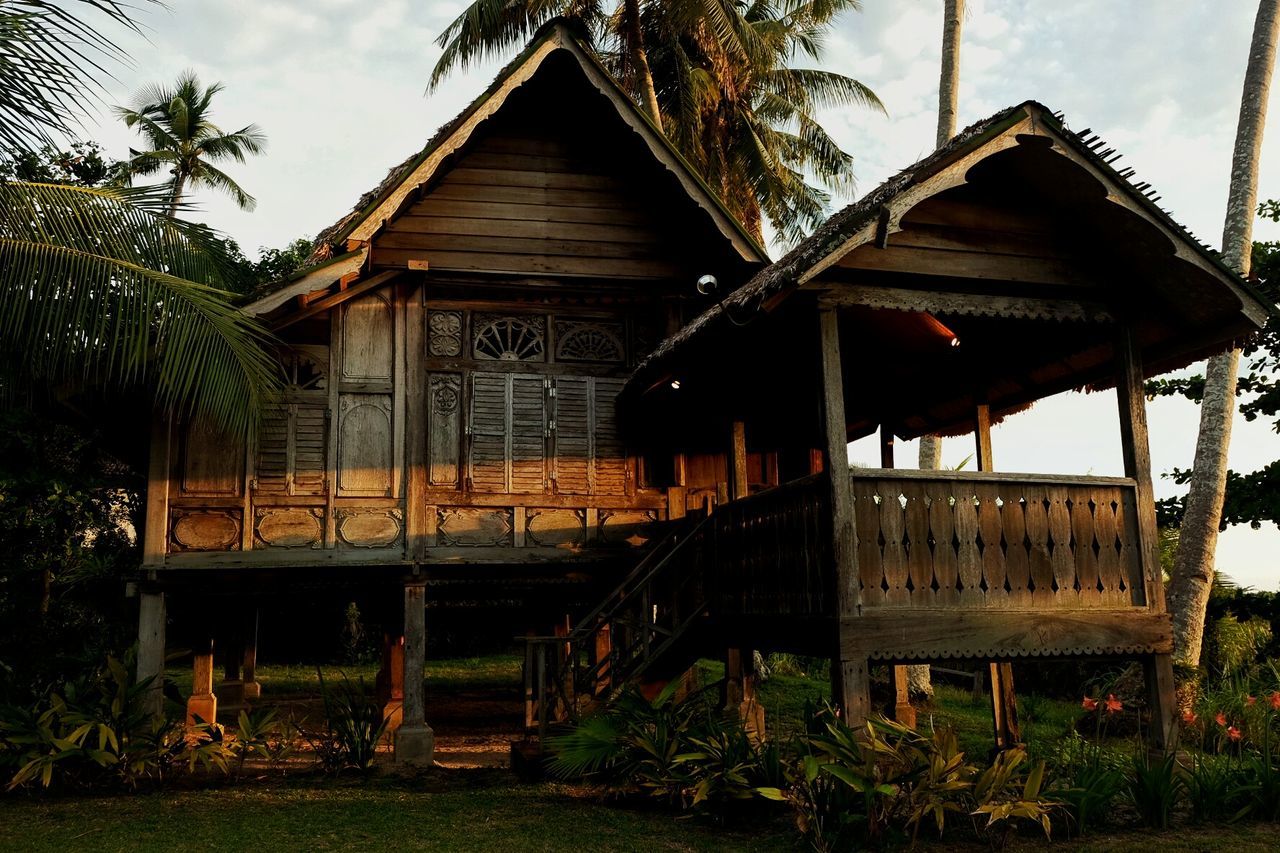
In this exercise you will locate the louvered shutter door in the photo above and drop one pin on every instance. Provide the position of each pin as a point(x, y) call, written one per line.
point(487, 465)
point(310, 437)
point(528, 434)
point(573, 435)
point(610, 455)
point(272, 471)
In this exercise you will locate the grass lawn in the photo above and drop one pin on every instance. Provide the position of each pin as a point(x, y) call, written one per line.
point(487, 809)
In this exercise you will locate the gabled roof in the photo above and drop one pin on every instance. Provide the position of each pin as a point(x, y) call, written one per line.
point(857, 225)
point(384, 201)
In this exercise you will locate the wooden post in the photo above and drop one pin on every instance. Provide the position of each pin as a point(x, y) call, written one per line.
point(231, 690)
point(151, 619)
point(850, 680)
point(603, 652)
point(738, 456)
point(155, 535)
point(252, 687)
point(414, 740)
point(1004, 699)
point(902, 710)
point(389, 682)
point(202, 707)
point(1137, 465)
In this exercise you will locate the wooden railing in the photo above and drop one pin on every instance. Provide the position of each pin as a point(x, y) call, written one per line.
point(772, 552)
point(636, 624)
point(949, 539)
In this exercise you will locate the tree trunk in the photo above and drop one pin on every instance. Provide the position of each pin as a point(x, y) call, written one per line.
point(179, 183)
point(1193, 569)
point(948, 87)
point(640, 61)
point(949, 82)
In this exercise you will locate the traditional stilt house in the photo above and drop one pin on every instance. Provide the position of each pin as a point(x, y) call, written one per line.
point(500, 372)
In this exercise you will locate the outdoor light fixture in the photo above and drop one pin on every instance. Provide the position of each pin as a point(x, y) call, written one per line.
point(675, 384)
point(707, 284)
point(936, 327)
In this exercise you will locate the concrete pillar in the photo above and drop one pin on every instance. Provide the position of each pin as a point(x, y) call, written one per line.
point(415, 742)
point(390, 681)
point(202, 707)
point(151, 617)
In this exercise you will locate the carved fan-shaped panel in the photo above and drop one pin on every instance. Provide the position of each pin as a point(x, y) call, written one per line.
point(577, 341)
point(510, 338)
point(304, 368)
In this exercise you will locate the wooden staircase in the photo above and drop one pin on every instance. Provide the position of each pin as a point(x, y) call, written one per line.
point(655, 624)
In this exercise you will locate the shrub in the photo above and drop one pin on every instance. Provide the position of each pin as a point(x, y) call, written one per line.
point(1008, 797)
point(1217, 790)
point(1088, 783)
point(354, 726)
point(100, 732)
point(1154, 786)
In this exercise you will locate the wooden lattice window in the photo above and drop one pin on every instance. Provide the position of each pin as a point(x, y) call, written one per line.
point(589, 341)
point(292, 449)
point(508, 337)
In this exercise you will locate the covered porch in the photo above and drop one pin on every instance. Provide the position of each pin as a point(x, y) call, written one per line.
point(1012, 265)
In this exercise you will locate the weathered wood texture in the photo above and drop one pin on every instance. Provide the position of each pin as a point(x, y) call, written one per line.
point(979, 541)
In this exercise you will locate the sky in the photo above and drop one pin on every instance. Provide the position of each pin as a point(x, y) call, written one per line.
point(339, 87)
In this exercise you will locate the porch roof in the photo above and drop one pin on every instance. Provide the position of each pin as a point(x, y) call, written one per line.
point(1104, 251)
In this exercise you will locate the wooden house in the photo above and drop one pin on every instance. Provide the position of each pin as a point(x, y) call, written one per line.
point(500, 372)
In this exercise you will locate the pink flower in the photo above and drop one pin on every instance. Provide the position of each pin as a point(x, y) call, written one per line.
point(1250, 701)
point(1233, 733)
point(1221, 718)
point(1089, 704)
point(1189, 718)
point(1113, 704)
point(1275, 700)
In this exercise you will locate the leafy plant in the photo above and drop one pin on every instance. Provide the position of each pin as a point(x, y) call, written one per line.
point(1216, 790)
point(1007, 797)
point(263, 734)
point(1154, 786)
point(354, 726)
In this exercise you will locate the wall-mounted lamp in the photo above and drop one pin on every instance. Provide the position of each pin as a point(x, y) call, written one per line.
point(675, 384)
point(936, 327)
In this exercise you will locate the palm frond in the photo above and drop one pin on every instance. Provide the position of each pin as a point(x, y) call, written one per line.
point(214, 178)
point(96, 289)
point(50, 56)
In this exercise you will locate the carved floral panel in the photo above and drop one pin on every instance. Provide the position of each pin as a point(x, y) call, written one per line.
point(444, 334)
point(559, 528)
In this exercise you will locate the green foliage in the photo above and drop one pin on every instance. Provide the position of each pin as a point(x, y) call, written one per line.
point(66, 508)
point(1007, 794)
point(81, 164)
point(50, 53)
point(1251, 498)
point(262, 734)
point(682, 752)
point(1217, 790)
point(100, 732)
point(1155, 786)
point(99, 289)
point(354, 727)
point(1089, 780)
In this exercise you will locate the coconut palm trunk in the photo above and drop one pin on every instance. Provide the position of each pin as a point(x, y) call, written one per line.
point(948, 92)
point(1193, 569)
point(640, 62)
point(948, 86)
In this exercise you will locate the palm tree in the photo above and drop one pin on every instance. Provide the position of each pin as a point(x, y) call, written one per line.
point(183, 139)
point(948, 93)
point(1192, 578)
point(100, 285)
point(717, 78)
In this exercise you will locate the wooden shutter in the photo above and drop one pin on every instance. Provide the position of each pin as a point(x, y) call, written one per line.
point(292, 443)
point(610, 456)
point(508, 433)
point(487, 428)
point(528, 429)
point(573, 435)
point(589, 457)
point(272, 468)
